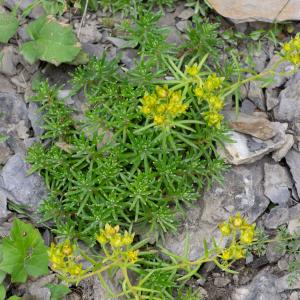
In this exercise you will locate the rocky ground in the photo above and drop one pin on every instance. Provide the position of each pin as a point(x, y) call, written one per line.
point(263, 182)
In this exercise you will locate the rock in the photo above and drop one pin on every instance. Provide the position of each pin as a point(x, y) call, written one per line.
point(277, 216)
point(247, 107)
point(262, 287)
point(119, 43)
point(245, 149)
point(6, 86)
point(283, 263)
point(5, 153)
point(9, 60)
point(277, 184)
point(242, 193)
point(186, 14)
point(272, 98)
point(279, 154)
point(294, 296)
point(88, 33)
point(274, 252)
point(36, 289)
point(289, 101)
point(258, 127)
point(174, 37)
point(35, 119)
point(283, 283)
point(182, 26)
point(28, 190)
point(293, 161)
point(293, 226)
point(250, 10)
point(93, 49)
point(3, 206)
point(128, 57)
point(256, 95)
point(221, 281)
point(36, 12)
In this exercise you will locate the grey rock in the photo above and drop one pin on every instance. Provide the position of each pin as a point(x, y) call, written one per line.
point(283, 263)
point(128, 57)
point(5, 85)
point(186, 14)
point(262, 287)
point(88, 33)
point(221, 281)
point(36, 289)
point(289, 105)
point(293, 226)
point(174, 37)
point(93, 49)
point(167, 20)
point(256, 126)
point(182, 26)
point(247, 107)
point(249, 11)
point(3, 205)
point(272, 98)
point(119, 43)
point(293, 161)
point(277, 184)
point(28, 190)
point(274, 252)
point(277, 216)
point(8, 63)
point(279, 154)
point(35, 13)
point(283, 283)
point(23, 34)
point(260, 58)
point(239, 152)
point(242, 193)
point(5, 153)
point(294, 296)
point(256, 95)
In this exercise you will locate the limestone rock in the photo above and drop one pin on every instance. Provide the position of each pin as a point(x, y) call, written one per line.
point(293, 161)
point(279, 154)
point(277, 216)
point(250, 10)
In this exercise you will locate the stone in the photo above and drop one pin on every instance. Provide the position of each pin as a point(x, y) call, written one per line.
point(128, 57)
point(88, 33)
point(277, 216)
point(5, 153)
point(36, 289)
point(119, 43)
point(35, 119)
point(289, 101)
point(258, 127)
point(9, 60)
point(3, 206)
point(262, 287)
point(247, 107)
point(174, 37)
point(186, 14)
point(92, 50)
point(36, 12)
point(293, 161)
point(245, 149)
point(283, 283)
point(27, 190)
point(242, 193)
point(274, 252)
point(256, 95)
point(279, 154)
point(293, 226)
point(294, 296)
point(5, 85)
point(182, 26)
point(277, 184)
point(272, 98)
point(221, 281)
point(250, 10)
point(283, 263)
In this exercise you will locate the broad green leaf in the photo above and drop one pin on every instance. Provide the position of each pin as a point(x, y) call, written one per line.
point(14, 298)
point(8, 27)
point(2, 292)
point(52, 42)
point(24, 252)
point(58, 291)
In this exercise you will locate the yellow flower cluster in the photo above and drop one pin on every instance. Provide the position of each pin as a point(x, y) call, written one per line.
point(291, 50)
point(63, 260)
point(237, 226)
point(163, 106)
point(209, 91)
point(118, 242)
point(192, 70)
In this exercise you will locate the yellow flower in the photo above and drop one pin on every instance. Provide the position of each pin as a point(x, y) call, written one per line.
point(161, 108)
point(199, 92)
point(247, 236)
point(162, 92)
point(239, 252)
point(133, 255)
point(67, 248)
point(111, 231)
point(215, 103)
point(127, 238)
point(175, 97)
point(193, 70)
point(237, 221)
point(213, 119)
point(145, 109)
point(149, 100)
point(75, 270)
point(116, 241)
point(101, 238)
point(226, 254)
point(213, 82)
point(159, 119)
point(225, 229)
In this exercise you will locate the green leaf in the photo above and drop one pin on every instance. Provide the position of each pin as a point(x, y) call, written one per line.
point(58, 291)
point(8, 27)
point(24, 252)
point(14, 298)
point(2, 292)
point(52, 42)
